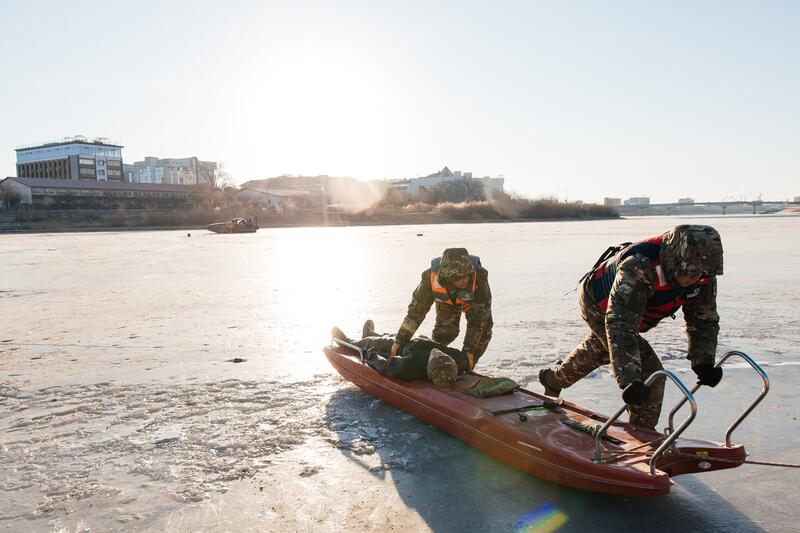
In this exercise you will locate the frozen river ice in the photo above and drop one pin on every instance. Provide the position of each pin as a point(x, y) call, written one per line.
point(121, 406)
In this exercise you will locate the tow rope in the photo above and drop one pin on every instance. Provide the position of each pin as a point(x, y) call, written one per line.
point(723, 460)
point(766, 463)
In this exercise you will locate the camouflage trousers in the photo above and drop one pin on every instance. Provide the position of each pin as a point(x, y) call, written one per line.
point(447, 327)
point(593, 352)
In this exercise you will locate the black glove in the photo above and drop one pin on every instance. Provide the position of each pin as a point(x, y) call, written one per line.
point(636, 393)
point(708, 374)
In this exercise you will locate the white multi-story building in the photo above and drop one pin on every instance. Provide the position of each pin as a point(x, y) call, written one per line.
point(183, 171)
point(638, 200)
point(612, 202)
point(72, 158)
point(491, 186)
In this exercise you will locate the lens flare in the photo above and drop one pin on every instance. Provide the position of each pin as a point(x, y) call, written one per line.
point(545, 519)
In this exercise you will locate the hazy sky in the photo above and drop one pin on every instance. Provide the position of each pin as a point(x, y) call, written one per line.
point(577, 99)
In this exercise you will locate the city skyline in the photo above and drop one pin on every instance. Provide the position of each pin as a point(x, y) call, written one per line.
point(575, 101)
point(154, 161)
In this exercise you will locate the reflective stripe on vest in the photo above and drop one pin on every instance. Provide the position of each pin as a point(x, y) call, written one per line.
point(440, 293)
point(664, 302)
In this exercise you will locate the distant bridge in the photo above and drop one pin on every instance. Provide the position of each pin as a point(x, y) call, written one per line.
point(755, 204)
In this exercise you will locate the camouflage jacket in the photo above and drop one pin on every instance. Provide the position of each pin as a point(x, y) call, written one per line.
point(634, 284)
point(479, 313)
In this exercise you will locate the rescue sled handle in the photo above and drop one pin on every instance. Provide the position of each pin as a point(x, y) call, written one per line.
point(598, 456)
point(764, 391)
point(349, 345)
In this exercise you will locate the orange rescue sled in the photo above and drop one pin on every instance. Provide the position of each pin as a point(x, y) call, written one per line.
point(556, 440)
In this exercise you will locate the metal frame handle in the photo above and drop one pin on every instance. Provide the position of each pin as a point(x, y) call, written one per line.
point(598, 456)
point(346, 344)
point(764, 391)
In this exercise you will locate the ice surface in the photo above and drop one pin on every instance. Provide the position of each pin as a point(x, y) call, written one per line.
point(77, 441)
point(120, 402)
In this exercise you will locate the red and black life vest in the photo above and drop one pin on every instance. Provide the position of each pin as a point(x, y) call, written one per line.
point(440, 293)
point(663, 303)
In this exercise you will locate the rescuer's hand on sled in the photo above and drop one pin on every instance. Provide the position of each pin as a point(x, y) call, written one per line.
point(636, 393)
point(395, 349)
point(708, 374)
point(470, 358)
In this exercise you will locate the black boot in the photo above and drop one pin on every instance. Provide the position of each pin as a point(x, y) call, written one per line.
point(548, 378)
point(368, 330)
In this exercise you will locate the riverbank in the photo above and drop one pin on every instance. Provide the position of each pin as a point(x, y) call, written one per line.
point(423, 220)
point(398, 220)
point(506, 209)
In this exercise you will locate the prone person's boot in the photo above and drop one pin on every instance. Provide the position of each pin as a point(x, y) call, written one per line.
point(368, 330)
point(547, 377)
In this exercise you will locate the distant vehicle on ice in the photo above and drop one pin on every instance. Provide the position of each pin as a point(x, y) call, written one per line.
point(235, 225)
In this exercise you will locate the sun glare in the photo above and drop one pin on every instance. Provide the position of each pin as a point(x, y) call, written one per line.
point(318, 107)
point(319, 268)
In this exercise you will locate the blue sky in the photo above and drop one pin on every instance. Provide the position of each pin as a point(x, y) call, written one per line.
point(576, 99)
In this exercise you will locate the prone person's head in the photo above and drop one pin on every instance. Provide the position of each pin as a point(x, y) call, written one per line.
point(442, 369)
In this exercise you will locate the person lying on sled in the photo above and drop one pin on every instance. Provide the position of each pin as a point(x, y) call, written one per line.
point(419, 358)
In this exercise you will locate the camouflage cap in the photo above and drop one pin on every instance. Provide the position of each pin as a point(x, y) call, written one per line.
point(455, 264)
point(692, 249)
point(442, 369)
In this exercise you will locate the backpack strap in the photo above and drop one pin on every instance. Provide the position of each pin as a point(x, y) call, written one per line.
point(610, 252)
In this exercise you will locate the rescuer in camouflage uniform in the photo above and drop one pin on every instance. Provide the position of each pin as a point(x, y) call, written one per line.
point(628, 291)
point(457, 283)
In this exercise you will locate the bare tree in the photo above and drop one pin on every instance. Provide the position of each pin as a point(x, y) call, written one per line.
point(207, 174)
point(456, 191)
point(222, 179)
point(9, 198)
